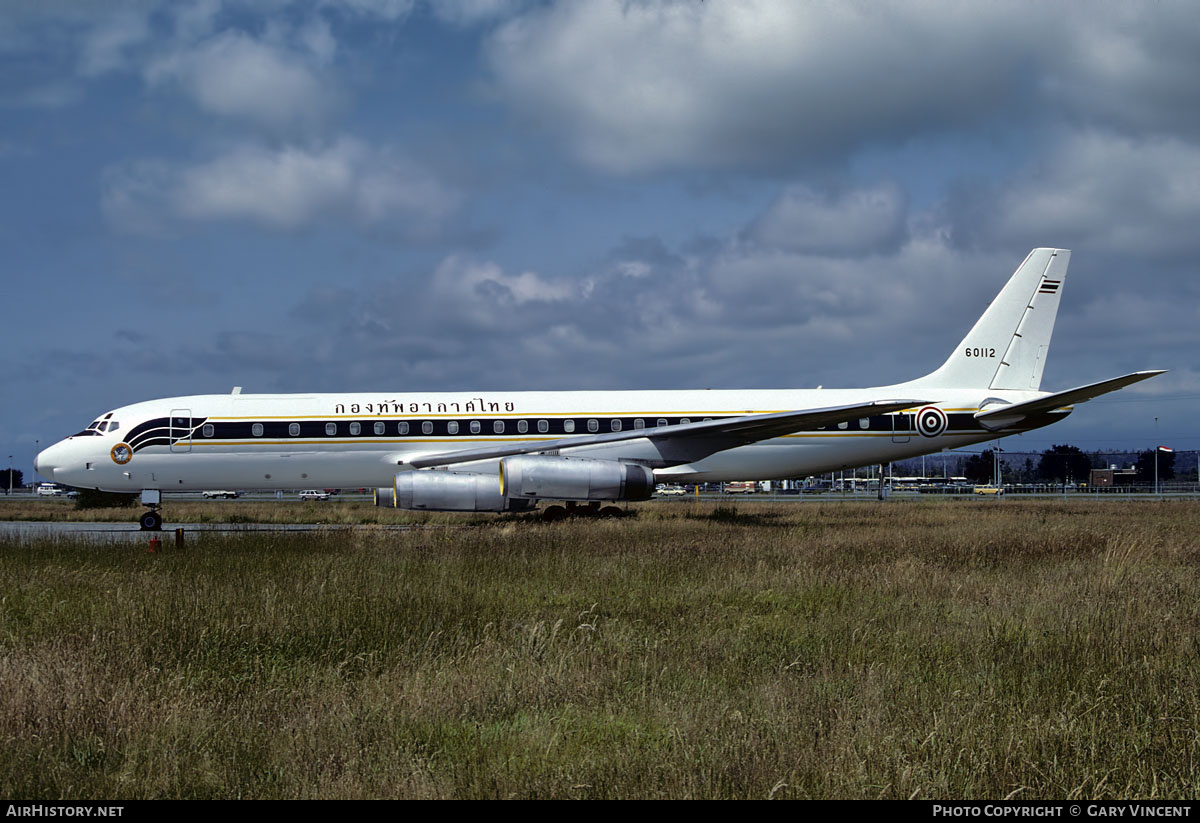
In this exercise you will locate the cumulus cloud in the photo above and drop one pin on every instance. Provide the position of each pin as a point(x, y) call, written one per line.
point(235, 75)
point(106, 45)
point(284, 188)
point(460, 279)
point(1094, 190)
point(859, 221)
point(760, 84)
point(764, 85)
point(472, 12)
point(646, 316)
point(392, 10)
point(1129, 70)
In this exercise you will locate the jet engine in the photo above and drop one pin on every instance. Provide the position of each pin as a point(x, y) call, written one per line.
point(448, 492)
point(573, 478)
point(523, 481)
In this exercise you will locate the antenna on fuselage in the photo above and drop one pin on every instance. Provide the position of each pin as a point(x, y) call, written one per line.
point(237, 390)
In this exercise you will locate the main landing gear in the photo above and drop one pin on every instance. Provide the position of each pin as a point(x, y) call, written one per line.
point(551, 514)
point(151, 521)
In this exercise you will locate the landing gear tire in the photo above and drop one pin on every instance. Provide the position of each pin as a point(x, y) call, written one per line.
point(553, 514)
point(611, 511)
point(151, 521)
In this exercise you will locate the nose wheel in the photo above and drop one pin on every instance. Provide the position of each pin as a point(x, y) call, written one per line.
point(151, 521)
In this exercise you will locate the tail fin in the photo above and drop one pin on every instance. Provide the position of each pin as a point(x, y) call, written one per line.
point(1006, 349)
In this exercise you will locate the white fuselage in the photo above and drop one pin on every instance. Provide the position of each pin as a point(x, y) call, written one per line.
point(290, 441)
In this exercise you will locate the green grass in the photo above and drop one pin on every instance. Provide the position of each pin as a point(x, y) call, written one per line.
point(971, 650)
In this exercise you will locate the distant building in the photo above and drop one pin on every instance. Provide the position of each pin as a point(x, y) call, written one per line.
point(1106, 478)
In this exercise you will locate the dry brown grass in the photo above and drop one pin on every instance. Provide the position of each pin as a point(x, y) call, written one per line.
point(853, 650)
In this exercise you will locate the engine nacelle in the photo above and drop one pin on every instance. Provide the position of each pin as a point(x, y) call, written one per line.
point(447, 492)
point(573, 478)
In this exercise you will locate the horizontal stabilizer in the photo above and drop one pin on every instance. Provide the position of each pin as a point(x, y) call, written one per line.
point(703, 437)
point(1006, 416)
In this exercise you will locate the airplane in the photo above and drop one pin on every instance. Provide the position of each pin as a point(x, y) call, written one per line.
point(508, 451)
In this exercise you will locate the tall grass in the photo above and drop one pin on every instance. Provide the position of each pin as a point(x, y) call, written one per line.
point(844, 650)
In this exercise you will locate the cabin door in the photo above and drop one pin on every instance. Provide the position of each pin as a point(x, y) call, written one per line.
point(181, 430)
point(901, 427)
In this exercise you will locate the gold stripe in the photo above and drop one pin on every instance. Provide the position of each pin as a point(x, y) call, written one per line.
point(341, 441)
point(490, 415)
point(498, 439)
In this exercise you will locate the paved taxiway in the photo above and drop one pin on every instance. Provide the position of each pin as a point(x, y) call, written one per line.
point(130, 533)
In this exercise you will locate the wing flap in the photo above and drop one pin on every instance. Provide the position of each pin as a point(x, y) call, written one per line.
point(702, 438)
point(1005, 416)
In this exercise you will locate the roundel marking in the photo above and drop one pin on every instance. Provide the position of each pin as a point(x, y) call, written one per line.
point(931, 421)
point(121, 454)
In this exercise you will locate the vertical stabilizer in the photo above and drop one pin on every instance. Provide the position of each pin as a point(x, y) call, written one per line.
point(1007, 347)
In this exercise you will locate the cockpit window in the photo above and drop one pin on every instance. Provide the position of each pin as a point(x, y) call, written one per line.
point(103, 426)
point(113, 426)
point(95, 424)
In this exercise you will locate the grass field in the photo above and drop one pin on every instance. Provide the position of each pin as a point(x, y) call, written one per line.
point(979, 649)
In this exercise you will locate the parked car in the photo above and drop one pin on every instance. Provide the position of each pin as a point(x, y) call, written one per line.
point(314, 494)
point(670, 491)
point(51, 490)
point(221, 494)
point(996, 490)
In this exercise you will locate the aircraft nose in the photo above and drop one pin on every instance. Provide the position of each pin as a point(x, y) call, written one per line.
point(45, 463)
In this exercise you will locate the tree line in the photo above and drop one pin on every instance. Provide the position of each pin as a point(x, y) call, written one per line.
point(1063, 465)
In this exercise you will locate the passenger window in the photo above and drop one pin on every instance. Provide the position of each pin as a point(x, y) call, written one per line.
point(543, 426)
point(427, 427)
point(294, 429)
point(380, 428)
point(475, 428)
point(498, 427)
point(356, 428)
point(402, 428)
point(452, 427)
point(331, 429)
point(864, 422)
point(593, 425)
point(208, 430)
point(568, 426)
point(639, 423)
point(256, 430)
point(683, 420)
point(843, 424)
point(522, 426)
point(662, 421)
point(616, 424)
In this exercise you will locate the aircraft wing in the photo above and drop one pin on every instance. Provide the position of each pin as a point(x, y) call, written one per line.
point(695, 440)
point(996, 419)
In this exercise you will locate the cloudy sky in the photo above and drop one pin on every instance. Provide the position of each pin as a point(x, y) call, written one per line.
point(328, 195)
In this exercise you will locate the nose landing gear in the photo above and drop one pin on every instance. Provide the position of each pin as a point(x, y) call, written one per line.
point(151, 521)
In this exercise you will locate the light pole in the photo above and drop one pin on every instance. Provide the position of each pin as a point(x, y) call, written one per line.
point(1156, 456)
point(10, 475)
